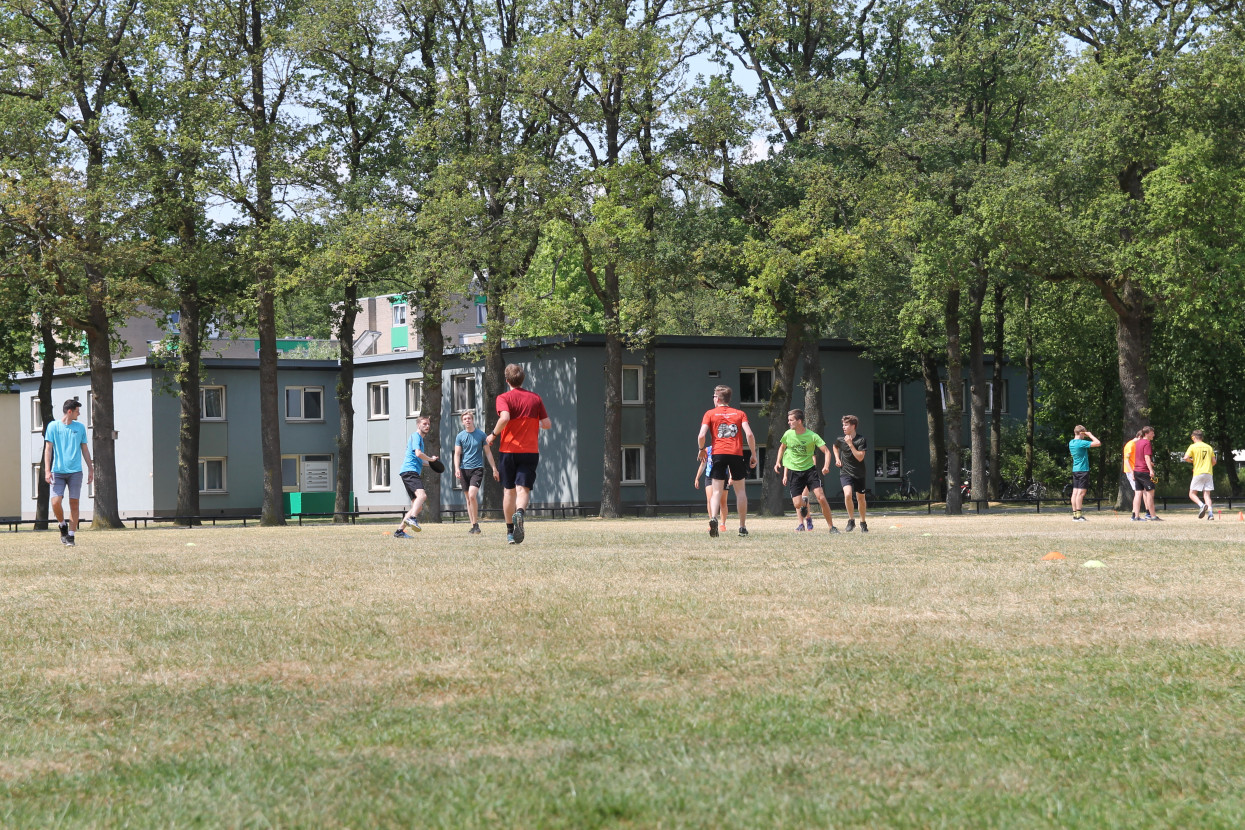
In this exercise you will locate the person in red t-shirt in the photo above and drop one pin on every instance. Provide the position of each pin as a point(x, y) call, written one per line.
point(521, 417)
point(1143, 476)
point(726, 424)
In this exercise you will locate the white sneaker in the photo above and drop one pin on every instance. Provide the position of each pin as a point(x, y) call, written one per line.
point(1201, 514)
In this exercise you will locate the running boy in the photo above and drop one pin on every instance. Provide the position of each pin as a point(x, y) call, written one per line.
point(412, 469)
point(1079, 447)
point(849, 457)
point(797, 456)
point(1203, 457)
point(728, 454)
point(469, 454)
point(521, 417)
point(64, 451)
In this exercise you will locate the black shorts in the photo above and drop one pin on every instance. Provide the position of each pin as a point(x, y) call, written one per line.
point(1080, 480)
point(413, 482)
point(518, 469)
point(473, 477)
point(725, 466)
point(857, 484)
point(1143, 481)
point(798, 480)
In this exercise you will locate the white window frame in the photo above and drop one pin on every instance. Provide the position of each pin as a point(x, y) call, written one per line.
point(454, 382)
point(966, 397)
point(754, 474)
point(224, 476)
point(755, 371)
point(639, 385)
point(286, 486)
point(203, 403)
point(36, 414)
point(990, 399)
point(886, 455)
point(414, 395)
point(639, 450)
point(377, 463)
point(36, 476)
point(399, 310)
point(375, 399)
point(882, 384)
point(303, 390)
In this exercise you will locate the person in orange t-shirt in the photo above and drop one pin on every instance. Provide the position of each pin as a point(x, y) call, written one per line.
point(1129, 460)
point(521, 417)
point(726, 424)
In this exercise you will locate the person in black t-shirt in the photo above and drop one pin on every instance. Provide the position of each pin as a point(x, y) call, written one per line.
point(849, 457)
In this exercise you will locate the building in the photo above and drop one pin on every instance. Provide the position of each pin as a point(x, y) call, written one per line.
point(388, 324)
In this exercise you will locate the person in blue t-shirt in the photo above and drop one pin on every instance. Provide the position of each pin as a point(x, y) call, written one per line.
point(470, 450)
point(64, 452)
point(1079, 447)
point(412, 469)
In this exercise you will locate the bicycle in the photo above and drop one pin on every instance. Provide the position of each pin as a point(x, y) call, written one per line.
point(907, 490)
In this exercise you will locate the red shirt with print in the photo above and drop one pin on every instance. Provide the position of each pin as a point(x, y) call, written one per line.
point(726, 428)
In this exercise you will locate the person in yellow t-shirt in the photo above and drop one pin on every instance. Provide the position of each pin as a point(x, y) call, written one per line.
point(1203, 457)
point(1129, 459)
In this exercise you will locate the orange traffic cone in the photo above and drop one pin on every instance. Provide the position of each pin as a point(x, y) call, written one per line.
point(1240, 517)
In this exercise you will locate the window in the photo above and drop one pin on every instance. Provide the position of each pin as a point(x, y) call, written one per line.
point(965, 400)
point(887, 397)
point(211, 475)
point(632, 465)
point(633, 384)
point(211, 403)
point(481, 315)
point(414, 396)
point(888, 464)
point(90, 408)
point(464, 392)
point(399, 315)
point(378, 472)
point(304, 403)
point(755, 385)
point(755, 473)
point(36, 415)
point(377, 401)
point(1002, 398)
point(289, 474)
point(36, 476)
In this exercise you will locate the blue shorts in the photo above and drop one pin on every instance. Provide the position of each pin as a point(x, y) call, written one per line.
point(518, 469)
point(71, 480)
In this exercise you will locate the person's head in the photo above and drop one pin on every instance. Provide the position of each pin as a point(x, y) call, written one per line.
point(423, 424)
point(1079, 430)
point(1139, 434)
point(850, 422)
point(722, 395)
point(515, 375)
point(795, 418)
point(1147, 432)
point(72, 408)
point(1196, 436)
point(469, 420)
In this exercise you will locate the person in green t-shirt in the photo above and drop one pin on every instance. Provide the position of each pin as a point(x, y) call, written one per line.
point(797, 462)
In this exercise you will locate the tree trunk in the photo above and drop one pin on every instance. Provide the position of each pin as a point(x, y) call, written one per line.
point(774, 498)
point(1030, 391)
point(996, 384)
point(342, 504)
point(106, 516)
point(188, 368)
point(272, 512)
point(955, 402)
point(46, 413)
point(494, 383)
point(650, 426)
point(611, 488)
point(934, 425)
point(814, 415)
point(1133, 333)
point(433, 340)
point(979, 427)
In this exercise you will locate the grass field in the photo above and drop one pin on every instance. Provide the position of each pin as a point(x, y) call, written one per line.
point(933, 673)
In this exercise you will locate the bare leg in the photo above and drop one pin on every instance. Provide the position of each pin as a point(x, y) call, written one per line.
point(709, 501)
point(718, 499)
point(522, 495)
point(741, 502)
point(1137, 499)
point(825, 506)
point(1193, 498)
point(508, 498)
point(860, 506)
point(473, 504)
point(1150, 501)
point(417, 504)
point(848, 504)
point(1206, 495)
point(1078, 497)
point(58, 509)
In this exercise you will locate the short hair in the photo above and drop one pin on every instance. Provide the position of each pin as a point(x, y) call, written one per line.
point(1140, 433)
point(515, 375)
point(798, 413)
point(851, 419)
point(1147, 430)
point(427, 418)
point(72, 403)
point(470, 413)
point(1197, 433)
point(723, 392)
point(1079, 430)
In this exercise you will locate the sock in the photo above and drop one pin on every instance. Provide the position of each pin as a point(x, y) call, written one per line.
point(71, 534)
point(510, 527)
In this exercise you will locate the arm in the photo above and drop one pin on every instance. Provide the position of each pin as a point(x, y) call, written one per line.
point(546, 423)
point(90, 465)
point(1093, 442)
point(700, 439)
point(488, 454)
point(778, 460)
point(458, 461)
point(47, 461)
point(752, 444)
point(838, 461)
point(700, 470)
point(825, 468)
point(1147, 463)
point(859, 455)
point(503, 418)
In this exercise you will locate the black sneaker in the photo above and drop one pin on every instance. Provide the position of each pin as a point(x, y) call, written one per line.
point(1155, 519)
point(713, 528)
point(851, 525)
point(833, 529)
point(69, 542)
point(64, 528)
point(743, 531)
point(518, 526)
point(864, 528)
point(474, 529)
